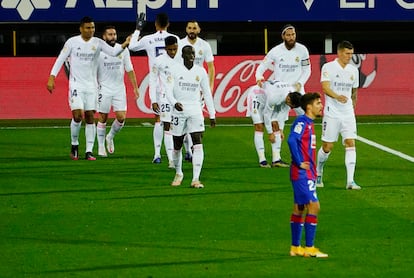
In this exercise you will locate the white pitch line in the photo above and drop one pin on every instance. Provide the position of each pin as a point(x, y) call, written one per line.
point(385, 149)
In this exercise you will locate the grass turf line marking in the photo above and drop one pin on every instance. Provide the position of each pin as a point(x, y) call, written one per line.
point(385, 149)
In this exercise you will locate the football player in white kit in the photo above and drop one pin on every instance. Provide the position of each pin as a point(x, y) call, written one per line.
point(289, 62)
point(161, 69)
point(340, 81)
point(112, 91)
point(269, 108)
point(154, 46)
point(83, 52)
point(203, 54)
point(183, 90)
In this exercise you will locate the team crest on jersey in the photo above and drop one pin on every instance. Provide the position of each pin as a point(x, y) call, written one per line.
point(297, 59)
point(120, 56)
point(352, 78)
point(197, 78)
point(169, 79)
point(93, 48)
point(325, 74)
point(200, 52)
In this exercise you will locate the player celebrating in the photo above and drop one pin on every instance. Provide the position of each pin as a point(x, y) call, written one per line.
point(161, 69)
point(289, 62)
point(340, 84)
point(269, 107)
point(112, 91)
point(184, 92)
point(302, 145)
point(83, 52)
point(154, 46)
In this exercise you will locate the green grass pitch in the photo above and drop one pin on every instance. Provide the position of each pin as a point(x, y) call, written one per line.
point(119, 217)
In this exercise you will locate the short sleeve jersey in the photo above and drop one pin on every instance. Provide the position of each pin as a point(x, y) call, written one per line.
point(160, 71)
point(111, 71)
point(203, 52)
point(153, 44)
point(342, 81)
point(184, 86)
point(276, 93)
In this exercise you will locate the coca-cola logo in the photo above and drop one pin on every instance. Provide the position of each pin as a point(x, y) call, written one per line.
point(230, 92)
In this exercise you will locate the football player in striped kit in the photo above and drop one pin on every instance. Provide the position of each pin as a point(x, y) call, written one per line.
point(302, 145)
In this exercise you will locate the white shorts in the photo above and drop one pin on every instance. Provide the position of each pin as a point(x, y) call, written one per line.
point(332, 127)
point(165, 111)
point(106, 100)
point(82, 100)
point(255, 109)
point(187, 121)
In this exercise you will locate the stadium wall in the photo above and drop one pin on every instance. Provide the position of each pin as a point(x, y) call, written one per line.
point(385, 80)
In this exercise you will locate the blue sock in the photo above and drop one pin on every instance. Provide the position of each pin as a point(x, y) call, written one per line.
point(311, 221)
point(296, 225)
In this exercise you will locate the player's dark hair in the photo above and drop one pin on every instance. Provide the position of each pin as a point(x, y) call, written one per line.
point(170, 40)
point(286, 27)
point(295, 99)
point(308, 98)
point(162, 20)
point(108, 27)
point(344, 44)
point(86, 19)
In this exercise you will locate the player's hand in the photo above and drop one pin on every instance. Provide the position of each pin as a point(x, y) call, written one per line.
point(305, 165)
point(213, 122)
point(141, 22)
point(178, 106)
point(272, 137)
point(51, 84)
point(136, 93)
point(126, 42)
point(260, 83)
point(342, 99)
point(155, 107)
point(297, 86)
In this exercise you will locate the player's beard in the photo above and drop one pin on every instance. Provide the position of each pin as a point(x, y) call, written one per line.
point(111, 42)
point(192, 36)
point(290, 44)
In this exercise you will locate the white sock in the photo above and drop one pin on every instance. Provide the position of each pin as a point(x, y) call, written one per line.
point(157, 136)
point(74, 132)
point(322, 157)
point(198, 158)
point(188, 143)
point(350, 163)
point(259, 144)
point(276, 146)
point(100, 134)
point(115, 128)
point(177, 157)
point(90, 133)
point(168, 143)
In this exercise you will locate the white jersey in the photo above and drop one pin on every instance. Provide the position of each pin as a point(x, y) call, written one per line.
point(184, 86)
point(288, 66)
point(111, 72)
point(83, 58)
point(161, 69)
point(342, 81)
point(276, 107)
point(203, 52)
point(153, 44)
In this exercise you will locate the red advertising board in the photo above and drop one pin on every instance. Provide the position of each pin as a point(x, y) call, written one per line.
point(385, 80)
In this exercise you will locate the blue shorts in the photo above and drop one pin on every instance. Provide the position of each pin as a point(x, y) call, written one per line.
point(304, 191)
